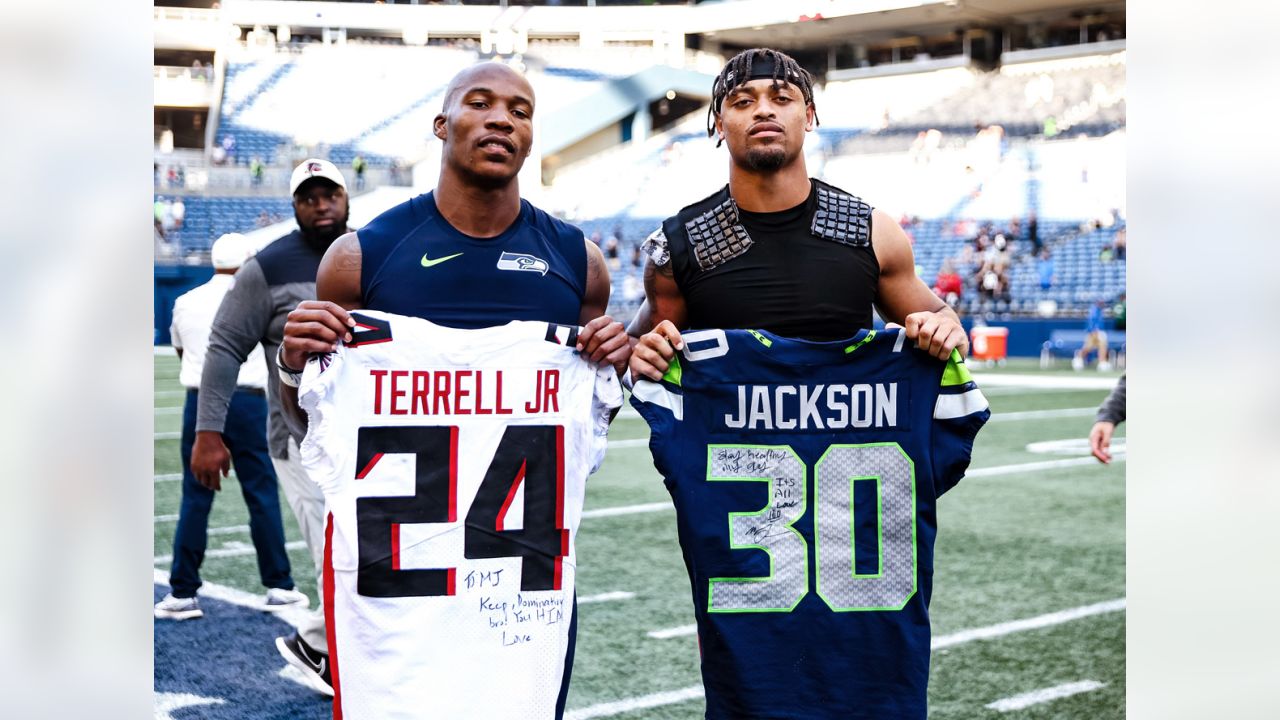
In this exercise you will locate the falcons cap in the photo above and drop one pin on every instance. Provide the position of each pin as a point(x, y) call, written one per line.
point(315, 168)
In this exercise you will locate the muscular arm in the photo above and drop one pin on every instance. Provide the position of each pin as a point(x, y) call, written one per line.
point(603, 339)
point(655, 330)
point(596, 298)
point(315, 326)
point(662, 301)
point(906, 300)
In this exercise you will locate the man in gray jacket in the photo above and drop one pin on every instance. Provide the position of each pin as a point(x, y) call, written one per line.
point(253, 313)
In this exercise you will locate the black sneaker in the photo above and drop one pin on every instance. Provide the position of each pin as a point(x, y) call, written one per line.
point(313, 663)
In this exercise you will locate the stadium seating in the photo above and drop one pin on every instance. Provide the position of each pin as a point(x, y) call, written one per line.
point(207, 218)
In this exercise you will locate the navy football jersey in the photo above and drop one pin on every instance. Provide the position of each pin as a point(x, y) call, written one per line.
point(413, 262)
point(805, 477)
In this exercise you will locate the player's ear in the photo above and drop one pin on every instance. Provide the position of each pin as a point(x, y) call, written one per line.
point(810, 117)
point(439, 127)
point(719, 128)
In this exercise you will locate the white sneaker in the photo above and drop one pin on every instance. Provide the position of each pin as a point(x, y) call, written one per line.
point(280, 599)
point(176, 608)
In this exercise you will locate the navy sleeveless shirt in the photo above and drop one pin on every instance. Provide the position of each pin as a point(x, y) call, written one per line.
point(413, 262)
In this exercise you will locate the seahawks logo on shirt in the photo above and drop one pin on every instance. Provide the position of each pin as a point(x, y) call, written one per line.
point(520, 261)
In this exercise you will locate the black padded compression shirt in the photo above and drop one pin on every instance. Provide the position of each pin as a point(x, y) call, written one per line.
point(789, 282)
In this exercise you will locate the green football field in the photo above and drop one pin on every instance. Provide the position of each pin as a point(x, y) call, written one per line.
point(1029, 586)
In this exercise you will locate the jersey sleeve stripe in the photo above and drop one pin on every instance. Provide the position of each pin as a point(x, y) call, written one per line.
point(950, 407)
point(956, 373)
point(652, 392)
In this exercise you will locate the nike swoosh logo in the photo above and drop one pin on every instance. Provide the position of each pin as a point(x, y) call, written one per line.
point(427, 262)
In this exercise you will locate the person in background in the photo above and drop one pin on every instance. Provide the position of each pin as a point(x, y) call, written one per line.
point(359, 165)
point(948, 285)
point(253, 314)
point(1110, 414)
point(179, 212)
point(1095, 338)
point(246, 437)
point(1045, 269)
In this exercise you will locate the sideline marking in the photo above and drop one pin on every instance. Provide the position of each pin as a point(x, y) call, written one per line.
point(233, 596)
point(166, 702)
point(168, 436)
point(169, 410)
point(1044, 695)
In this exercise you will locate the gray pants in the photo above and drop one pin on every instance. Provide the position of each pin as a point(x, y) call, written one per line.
point(307, 502)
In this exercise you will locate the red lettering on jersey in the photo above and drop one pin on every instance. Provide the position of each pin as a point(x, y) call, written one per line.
point(397, 393)
point(535, 405)
point(480, 408)
point(551, 402)
point(500, 410)
point(377, 390)
point(461, 392)
point(441, 393)
point(421, 388)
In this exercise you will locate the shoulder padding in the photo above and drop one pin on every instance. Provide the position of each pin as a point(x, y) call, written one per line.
point(841, 217)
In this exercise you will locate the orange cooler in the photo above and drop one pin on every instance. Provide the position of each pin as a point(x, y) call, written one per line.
point(989, 343)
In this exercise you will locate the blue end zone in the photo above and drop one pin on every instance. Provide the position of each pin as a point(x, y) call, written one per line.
point(230, 654)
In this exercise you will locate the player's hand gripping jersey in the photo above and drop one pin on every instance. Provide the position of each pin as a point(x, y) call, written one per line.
point(805, 478)
point(453, 463)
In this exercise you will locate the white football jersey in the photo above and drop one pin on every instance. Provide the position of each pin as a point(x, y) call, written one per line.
point(453, 464)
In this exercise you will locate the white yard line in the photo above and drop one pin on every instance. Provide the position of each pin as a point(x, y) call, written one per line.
point(1035, 466)
point(963, 636)
point(606, 597)
point(168, 436)
point(1034, 623)
point(171, 410)
point(1044, 695)
point(1043, 414)
point(1044, 382)
point(959, 638)
point(177, 477)
point(235, 549)
point(164, 518)
point(627, 510)
point(610, 709)
point(668, 633)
